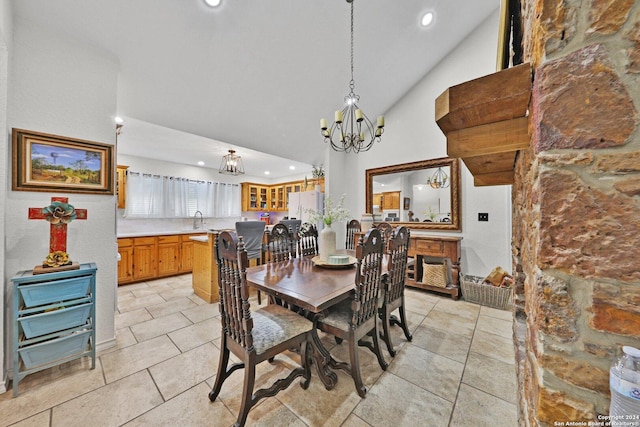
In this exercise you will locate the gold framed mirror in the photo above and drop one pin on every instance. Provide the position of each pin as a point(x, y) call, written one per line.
point(421, 195)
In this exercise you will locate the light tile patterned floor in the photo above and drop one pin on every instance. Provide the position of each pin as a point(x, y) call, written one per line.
point(458, 371)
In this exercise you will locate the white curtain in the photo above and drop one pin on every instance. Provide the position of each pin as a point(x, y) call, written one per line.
point(154, 196)
point(144, 196)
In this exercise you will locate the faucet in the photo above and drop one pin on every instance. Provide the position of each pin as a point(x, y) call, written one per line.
point(195, 215)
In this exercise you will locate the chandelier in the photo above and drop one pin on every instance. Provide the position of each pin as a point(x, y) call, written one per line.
point(352, 130)
point(231, 164)
point(439, 179)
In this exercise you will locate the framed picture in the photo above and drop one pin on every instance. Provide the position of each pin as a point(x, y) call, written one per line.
point(43, 162)
point(406, 203)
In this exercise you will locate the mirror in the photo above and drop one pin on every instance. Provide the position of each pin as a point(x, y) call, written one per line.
point(416, 195)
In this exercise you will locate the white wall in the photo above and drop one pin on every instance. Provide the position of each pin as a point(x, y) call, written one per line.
point(6, 31)
point(411, 134)
point(63, 87)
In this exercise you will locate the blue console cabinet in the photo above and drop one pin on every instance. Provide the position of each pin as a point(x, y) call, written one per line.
point(53, 319)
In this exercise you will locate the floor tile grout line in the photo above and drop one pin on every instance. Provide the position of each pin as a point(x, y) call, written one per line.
point(455, 402)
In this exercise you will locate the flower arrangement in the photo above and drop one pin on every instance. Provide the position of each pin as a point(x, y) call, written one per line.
point(330, 213)
point(317, 172)
point(56, 259)
point(59, 212)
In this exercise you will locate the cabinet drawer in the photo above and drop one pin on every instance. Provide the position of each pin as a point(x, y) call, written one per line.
point(168, 239)
point(430, 247)
point(48, 351)
point(49, 292)
point(58, 320)
point(144, 241)
point(125, 242)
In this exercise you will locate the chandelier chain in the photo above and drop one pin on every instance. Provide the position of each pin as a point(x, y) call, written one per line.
point(352, 130)
point(352, 83)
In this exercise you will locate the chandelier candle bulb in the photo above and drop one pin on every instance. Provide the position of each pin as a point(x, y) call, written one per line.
point(380, 121)
point(361, 136)
point(359, 115)
point(338, 118)
point(323, 124)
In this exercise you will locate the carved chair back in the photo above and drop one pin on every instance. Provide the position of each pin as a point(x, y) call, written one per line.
point(235, 315)
point(280, 244)
point(386, 229)
point(353, 227)
point(369, 254)
point(398, 247)
point(308, 240)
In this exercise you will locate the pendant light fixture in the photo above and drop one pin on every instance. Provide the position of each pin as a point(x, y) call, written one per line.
point(352, 130)
point(231, 164)
point(439, 179)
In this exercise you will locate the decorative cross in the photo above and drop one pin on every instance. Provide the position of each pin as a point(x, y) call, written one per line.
point(59, 214)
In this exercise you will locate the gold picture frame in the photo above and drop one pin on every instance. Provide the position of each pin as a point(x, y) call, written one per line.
point(44, 162)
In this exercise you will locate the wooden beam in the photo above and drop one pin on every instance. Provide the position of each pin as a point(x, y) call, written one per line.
point(494, 178)
point(500, 137)
point(501, 162)
point(499, 96)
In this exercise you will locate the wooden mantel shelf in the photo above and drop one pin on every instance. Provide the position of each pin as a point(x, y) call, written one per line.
point(485, 122)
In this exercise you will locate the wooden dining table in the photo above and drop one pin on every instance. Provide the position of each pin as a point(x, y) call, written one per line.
point(310, 287)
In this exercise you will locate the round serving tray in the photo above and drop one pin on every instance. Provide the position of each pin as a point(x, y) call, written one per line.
point(317, 261)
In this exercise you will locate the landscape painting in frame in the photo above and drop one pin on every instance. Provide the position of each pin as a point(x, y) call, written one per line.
point(43, 162)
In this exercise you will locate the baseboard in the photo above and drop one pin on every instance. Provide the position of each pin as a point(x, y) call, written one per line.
point(104, 345)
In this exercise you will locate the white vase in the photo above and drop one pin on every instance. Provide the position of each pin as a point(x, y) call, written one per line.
point(326, 243)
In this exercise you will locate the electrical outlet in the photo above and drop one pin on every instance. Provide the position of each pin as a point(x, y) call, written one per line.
point(483, 217)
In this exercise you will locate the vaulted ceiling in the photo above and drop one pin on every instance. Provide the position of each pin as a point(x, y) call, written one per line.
point(256, 74)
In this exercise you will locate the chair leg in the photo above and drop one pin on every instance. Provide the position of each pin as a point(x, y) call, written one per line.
point(222, 371)
point(377, 349)
point(355, 367)
point(247, 394)
point(403, 320)
point(385, 330)
point(259, 298)
point(305, 356)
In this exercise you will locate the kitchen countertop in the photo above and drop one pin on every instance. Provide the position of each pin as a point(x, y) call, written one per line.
point(162, 233)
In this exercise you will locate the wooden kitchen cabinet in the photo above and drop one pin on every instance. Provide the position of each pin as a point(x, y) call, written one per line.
point(121, 185)
point(144, 258)
point(168, 255)
point(186, 254)
point(125, 265)
point(255, 197)
point(273, 198)
point(145, 254)
point(391, 200)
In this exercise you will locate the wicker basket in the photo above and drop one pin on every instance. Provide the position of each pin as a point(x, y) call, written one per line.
point(474, 290)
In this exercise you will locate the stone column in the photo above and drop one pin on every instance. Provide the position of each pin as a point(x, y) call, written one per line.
point(576, 199)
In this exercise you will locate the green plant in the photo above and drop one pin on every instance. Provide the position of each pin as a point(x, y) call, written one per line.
point(317, 172)
point(330, 213)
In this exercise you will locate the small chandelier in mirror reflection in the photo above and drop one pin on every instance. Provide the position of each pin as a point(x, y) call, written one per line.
point(439, 179)
point(352, 130)
point(231, 164)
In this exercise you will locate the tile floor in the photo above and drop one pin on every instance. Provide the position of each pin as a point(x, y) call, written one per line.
point(458, 371)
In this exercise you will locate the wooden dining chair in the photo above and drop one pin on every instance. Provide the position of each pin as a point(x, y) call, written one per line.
point(387, 230)
point(355, 318)
point(307, 240)
point(253, 337)
point(280, 244)
point(353, 227)
point(393, 286)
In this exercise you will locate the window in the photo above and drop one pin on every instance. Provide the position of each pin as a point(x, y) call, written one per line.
point(155, 196)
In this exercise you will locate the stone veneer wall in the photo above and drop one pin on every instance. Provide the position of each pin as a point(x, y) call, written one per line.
point(576, 210)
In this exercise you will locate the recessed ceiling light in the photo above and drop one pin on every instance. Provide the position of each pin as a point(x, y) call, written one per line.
point(427, 19)
point(292, 168)
point(267, 173)
point(119, 120)
point(200, 163)
point(213, 3)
